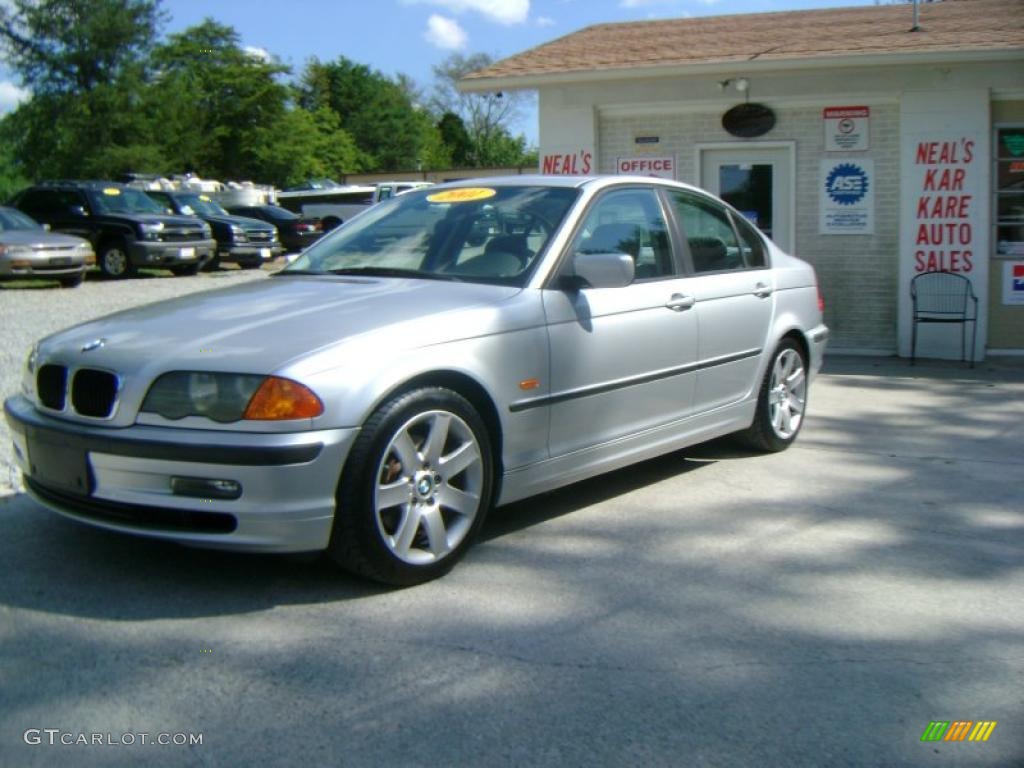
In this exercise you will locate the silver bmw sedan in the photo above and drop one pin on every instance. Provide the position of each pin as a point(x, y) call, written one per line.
point(447, 351)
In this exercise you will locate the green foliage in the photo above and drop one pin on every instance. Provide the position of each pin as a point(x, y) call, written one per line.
point(456, 138)
point(71, 46)
point(108, 98)
point(376, 111)
point(12, 178)
point(304, 145)
point(485, 118)
point(84, 61)
point(218, 97)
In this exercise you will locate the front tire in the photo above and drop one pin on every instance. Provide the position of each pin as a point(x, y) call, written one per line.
point(115, 260)
point(781, 401)
point(415, 489)
point(72, 281)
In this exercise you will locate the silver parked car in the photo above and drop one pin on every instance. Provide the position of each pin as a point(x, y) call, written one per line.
point(449, 350)
point(28, 251)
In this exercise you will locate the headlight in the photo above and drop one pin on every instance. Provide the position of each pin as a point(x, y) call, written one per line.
point(238, 234)
point(151, 230)
point(14, 251)
point(227, 397)
point(33, 360)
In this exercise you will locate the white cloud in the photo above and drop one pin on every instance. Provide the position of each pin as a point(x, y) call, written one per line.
point(445, 33)
point(258, 53)
point(501, 11)
point(11, 96)
point(648, 3)
point(545, 21)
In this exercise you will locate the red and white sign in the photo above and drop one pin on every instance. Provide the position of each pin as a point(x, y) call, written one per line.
point(567, 162)
point(948, 213)
point(945, 190)
point(662, 167)
point(846, 129)
point(1013, 283)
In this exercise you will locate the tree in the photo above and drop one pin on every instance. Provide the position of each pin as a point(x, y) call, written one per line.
point(375, 110)
point(72, 46)
point(304, 145)
point(85, 63)
point(486, 117)
point(456, 138)
point(213, 98)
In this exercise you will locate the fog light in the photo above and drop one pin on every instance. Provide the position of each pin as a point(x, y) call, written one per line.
point(205, 488)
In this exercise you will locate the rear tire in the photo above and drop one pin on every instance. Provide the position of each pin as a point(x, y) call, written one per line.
point(415, 489)
point(781, 402)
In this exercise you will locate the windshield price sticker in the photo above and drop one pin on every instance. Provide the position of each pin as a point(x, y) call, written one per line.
point(467, 195)
point(113, 191)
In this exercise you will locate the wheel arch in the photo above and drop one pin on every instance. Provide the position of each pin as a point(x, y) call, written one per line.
point(477, 395)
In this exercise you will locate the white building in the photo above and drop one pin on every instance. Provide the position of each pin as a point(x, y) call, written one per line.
point(871, 148)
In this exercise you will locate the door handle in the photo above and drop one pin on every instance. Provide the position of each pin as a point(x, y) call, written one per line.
point(762, 291)
point(677, 302)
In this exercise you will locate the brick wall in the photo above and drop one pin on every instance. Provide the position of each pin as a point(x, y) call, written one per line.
point(858, 273)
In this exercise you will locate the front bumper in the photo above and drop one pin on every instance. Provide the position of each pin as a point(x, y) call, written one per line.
point(250, 252)
point(155, 253)
point(120, 479)
point(41, 269)
point(817, 338)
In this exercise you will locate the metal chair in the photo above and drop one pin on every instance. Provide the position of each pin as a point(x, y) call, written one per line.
point(944, 297)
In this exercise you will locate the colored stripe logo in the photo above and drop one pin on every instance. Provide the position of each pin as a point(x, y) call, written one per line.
point(958, 730)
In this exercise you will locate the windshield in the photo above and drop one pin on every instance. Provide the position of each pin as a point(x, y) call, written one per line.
point(11, 218)
point(200, 205)
point(123, 200)
point(484, 234)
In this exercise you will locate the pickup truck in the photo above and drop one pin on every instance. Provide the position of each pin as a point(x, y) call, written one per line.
point(335, 204)
point(127, 229)
point(247, 242)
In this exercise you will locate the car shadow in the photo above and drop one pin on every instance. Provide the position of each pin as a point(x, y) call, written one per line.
point(59, 566)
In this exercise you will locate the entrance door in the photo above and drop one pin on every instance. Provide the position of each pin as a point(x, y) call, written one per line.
point(758, 182)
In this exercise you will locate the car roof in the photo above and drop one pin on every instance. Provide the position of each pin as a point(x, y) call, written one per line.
point(578, 182)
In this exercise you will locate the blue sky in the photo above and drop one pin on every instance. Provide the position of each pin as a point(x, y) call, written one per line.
point(412, 36)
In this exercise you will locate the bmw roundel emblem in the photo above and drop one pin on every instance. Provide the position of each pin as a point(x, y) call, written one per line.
point(94, 344)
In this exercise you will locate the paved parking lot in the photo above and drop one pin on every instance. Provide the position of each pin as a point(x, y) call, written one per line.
point(817, 607)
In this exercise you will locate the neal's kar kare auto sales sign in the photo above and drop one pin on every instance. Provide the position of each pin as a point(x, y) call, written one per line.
point(847, 197)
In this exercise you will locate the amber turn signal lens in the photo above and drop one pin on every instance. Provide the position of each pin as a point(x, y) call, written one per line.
point(279, 398)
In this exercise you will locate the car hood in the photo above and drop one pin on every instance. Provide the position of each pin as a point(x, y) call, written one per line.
point(263, 326)
point(173, 221)
point(39, 237)
point(240, 221)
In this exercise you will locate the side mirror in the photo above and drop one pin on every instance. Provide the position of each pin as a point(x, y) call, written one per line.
point(602, 270)
point(78, 211)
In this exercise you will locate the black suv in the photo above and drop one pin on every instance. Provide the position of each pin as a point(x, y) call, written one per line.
point(249, 242)
point(126, 228)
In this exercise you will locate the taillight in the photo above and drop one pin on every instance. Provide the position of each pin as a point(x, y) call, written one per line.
point(821, 299)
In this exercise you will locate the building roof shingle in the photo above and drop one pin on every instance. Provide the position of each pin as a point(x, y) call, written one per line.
point(947, 26)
